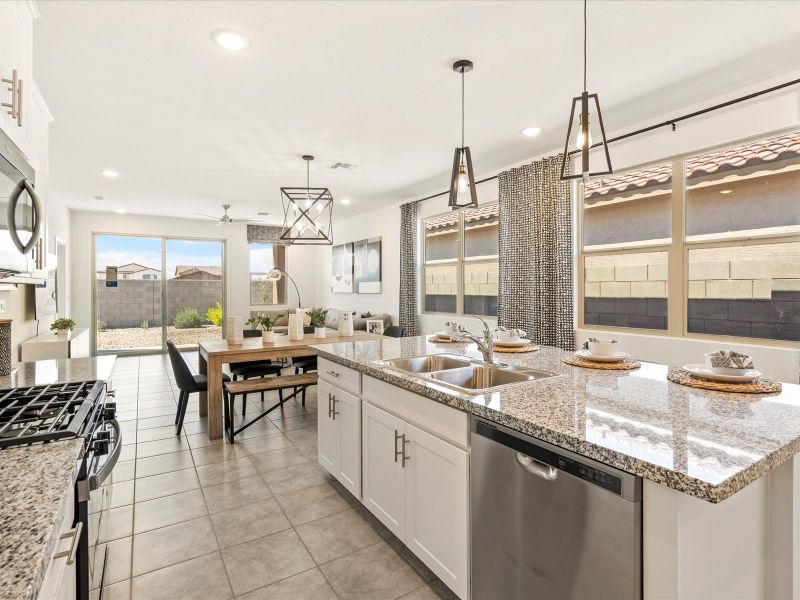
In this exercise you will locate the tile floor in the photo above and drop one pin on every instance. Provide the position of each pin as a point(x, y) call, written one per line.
point(185, 518)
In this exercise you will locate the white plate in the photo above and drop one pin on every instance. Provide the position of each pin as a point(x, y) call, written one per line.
point(616, 357)
point(722, 374)
point(512, 344)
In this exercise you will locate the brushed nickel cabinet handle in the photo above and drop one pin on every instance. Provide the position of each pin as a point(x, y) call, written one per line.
point(335, 412)
point(332, 373)
point(73, 546)
point(15, 106)
point(396, 451)
point(405, 457)
point(19, 105)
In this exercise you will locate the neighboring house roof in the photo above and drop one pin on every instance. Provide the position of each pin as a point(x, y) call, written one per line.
point(473, 214)
point(186, 270)
point(778, 147)
point(131, 268)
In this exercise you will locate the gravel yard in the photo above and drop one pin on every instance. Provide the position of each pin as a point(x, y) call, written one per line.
point(136, 337)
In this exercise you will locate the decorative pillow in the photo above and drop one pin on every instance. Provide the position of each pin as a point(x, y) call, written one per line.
point(332, 319)
point(366, 315)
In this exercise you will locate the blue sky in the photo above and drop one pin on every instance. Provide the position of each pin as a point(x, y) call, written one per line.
point(119, 250)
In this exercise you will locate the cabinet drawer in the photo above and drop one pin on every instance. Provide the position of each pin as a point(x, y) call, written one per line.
point(343, 377)
point(448, 423)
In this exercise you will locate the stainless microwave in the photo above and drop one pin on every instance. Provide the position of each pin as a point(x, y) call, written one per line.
point(21, 216)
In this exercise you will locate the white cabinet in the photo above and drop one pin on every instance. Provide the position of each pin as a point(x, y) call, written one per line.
point(16, 54)
point(384, 474)
point(47, 346)
point(417, 484)
point(60, 578)
point(339, 435)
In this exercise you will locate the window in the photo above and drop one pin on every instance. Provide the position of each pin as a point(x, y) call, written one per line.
point(737, 272)
point(264, 258)
point(460, 256)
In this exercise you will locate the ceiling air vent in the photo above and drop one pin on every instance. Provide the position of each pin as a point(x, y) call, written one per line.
point(342, 165)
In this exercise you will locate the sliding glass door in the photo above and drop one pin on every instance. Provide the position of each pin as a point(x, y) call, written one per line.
point(148, 290)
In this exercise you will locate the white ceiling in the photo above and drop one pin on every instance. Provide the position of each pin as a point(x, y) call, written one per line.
point(141, 88)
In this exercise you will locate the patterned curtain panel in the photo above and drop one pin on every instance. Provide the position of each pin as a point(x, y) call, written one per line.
point(266, 234)
point(409, 293)
point(535, 290)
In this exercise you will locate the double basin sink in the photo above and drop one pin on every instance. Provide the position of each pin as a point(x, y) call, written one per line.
point(464, 374)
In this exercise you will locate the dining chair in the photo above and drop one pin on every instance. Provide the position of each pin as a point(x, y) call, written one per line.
point(254, 369)
point(187, 382)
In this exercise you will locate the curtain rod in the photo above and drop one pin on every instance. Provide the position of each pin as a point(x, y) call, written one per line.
point(667, 123)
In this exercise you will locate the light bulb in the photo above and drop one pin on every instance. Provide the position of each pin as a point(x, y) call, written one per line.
point(463, 181)
point(579, 141)
point(301, 227)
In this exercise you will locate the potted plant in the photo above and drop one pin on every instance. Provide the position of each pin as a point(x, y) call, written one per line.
point(63, 326)
point(318, 321)
point(264, 323)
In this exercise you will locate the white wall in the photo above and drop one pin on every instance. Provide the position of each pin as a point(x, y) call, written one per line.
point(762, 115)
point(300, 261)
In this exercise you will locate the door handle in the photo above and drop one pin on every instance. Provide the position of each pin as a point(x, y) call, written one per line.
point(397, 452)
point(537, 468)
point(334, 412)
point(405, 458)
point(73, 546)
point(330, 405)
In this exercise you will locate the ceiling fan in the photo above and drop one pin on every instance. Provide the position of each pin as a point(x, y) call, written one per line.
point(226, 219)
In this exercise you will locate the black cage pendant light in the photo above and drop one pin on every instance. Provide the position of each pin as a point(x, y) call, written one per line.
point(462, 180)
point(583, 139)
point(307, 213)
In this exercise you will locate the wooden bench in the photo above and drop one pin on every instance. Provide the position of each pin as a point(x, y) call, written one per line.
point(248, 386)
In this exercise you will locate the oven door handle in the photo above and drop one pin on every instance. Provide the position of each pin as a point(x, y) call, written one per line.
point(97, 479)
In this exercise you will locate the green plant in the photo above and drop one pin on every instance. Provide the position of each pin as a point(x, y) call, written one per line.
point(318, 316)
point(187, 318)
point(266, 322)
point(145, 324)
point(101, 325)
point(63, 323)
point(214, 314)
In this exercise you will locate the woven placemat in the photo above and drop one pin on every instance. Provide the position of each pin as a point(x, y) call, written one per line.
point(511, 349)
point(438, 340)
point(757, 386)
point(624, 365)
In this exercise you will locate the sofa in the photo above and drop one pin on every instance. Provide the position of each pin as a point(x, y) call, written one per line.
point(331, 321)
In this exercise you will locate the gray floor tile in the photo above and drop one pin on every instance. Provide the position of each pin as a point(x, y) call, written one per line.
point(112, 524)
point(218, 452)
point(375, 572)
point(156, 433)
point(309, 450)
point(123, 471)
point(292, 479)
point(127, 453)
point(196, 427)
point(303, 436)
point(120, 494)
point(201, 578)
point(232, 494)
point(298, 422)
point(167, 546)
point(169, 510)
point(116, 591)
point(309, 585)
point(166, 446)
point(266, 560)
point(198, 440)
point(434, 591)
point(337, 535)
point(230, 470)
point(166, 484)
point(119, 562)
point(248, 522)
point(278, 459)
point(163, 463)
point(311, 504)
point(264, 443)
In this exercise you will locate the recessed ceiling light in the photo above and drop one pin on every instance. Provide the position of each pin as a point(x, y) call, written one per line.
point(230, 40)
point(110, 173)
point(345, 201)
point(121, 211)
point(531, 131)
point(725, 191)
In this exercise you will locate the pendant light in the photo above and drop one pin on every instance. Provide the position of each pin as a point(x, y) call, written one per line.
point(462, 180)
point(307, 213)
point(583, 137)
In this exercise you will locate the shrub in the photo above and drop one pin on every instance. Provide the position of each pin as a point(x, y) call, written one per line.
point(187, 318)
point(101, 325)
point(214, 314)
point(145, 324)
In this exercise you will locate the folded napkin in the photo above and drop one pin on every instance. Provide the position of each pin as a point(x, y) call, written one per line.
point(586, 343)
point(730, 360)
point(514, 332)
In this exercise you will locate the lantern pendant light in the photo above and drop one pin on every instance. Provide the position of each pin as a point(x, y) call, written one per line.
point(307, 213)
point(583, 138)
point(462, 179)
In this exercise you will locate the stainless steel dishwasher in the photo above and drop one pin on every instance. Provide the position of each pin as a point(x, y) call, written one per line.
point(548, 524)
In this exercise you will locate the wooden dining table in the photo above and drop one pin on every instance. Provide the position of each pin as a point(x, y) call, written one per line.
point(215, 353)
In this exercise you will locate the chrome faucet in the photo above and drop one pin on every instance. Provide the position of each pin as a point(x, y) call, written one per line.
point(485, 345)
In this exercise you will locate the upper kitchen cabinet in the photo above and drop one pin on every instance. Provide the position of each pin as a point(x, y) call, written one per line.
point(16, 68)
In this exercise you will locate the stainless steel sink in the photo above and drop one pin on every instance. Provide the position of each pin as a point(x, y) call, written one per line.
point(429, 363)
point(466, 375)
point(486, 377)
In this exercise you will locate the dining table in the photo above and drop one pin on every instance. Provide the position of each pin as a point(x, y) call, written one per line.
point(213, 354)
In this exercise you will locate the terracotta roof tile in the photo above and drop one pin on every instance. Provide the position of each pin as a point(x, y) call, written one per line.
point(473, 214)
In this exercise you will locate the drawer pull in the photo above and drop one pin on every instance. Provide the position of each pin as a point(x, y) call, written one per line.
point(73, 547)
point(334, 412)
point(333, 373)
point(397, 452)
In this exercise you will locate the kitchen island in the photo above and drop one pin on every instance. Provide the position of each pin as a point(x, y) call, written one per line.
point(37, 483)
point(720, 490)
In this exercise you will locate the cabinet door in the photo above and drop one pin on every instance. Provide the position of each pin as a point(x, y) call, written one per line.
point(327, 429)
point(16, 47)
point(383, 472)
point(347, 413)
point(437, 489)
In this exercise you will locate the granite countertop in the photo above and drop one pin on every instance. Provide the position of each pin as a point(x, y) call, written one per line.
point(36, 482)
point(706, 444)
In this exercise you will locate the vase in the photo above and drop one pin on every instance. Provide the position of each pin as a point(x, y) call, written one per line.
point(319, 332)
point(62, 331)
point(268, 337)
point(234, 333)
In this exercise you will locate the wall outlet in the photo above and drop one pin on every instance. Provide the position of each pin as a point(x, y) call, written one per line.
point(3, 305)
